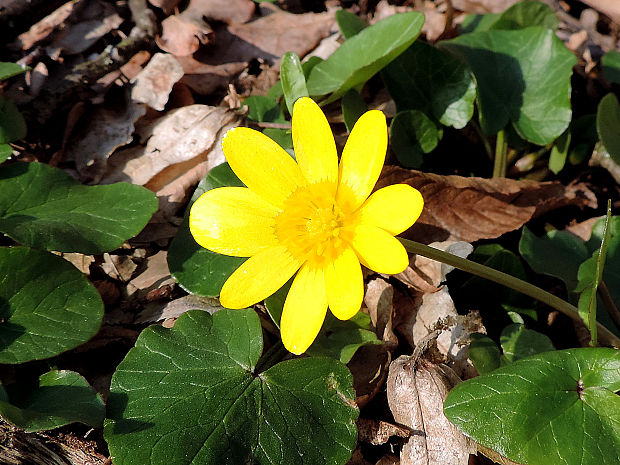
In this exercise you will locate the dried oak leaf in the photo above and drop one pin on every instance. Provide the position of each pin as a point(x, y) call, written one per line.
point(416, 391)
point(469, 209)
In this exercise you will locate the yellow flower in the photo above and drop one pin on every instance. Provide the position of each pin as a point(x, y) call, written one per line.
point(313, 217)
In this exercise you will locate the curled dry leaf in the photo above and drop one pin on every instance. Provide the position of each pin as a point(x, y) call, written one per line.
point(154, 83)
point(166, 5)
point(369, 367)
point(155, 276)
point(106, 130)
point(416, 391)
point(183, 34)
point(378, 432)
point(378, 299)
point(156, 311)
point(44, 28)
point(470, 209)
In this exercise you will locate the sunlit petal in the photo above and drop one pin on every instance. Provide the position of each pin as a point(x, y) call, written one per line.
point(258, 277)
point(304, 310)
point(233, 221)
point(344, 283)
point(393, 208)
point(262, 164)
point(314, 144)
point(362, 160)
point(379, 250)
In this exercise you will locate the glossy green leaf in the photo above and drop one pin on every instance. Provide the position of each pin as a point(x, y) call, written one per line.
point(261, 109)
point(58, 399)
point(337, 339)
point(412, 134)
point(293, 80)
point(526, 14)
point(608, 125)
point(276, 90)
point(12, 123)
point(560, 408)
point(478, 22)
point(484, 353)
point(426, 78)
point(353, 106)
point(5, 152)
point(43, 207)
point(190, 395)
point(284, 137)
point(349, 23)
point(46, 305)
point(559, 152)
point(523, 78)
point(8, 70)
point(557, 253)
point(611, 66)
point(365, 54)
point(519, 342)
point(196, 269)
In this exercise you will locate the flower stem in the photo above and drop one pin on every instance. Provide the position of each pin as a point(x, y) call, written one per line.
point(606, 336)
point(501, 153)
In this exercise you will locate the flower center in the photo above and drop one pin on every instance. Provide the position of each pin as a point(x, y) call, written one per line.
point(311, 223)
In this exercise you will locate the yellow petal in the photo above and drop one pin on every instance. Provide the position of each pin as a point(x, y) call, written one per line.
point(304, 310)
point(345, 285)
point(378, 250)
point(233, 221)
point(262, 164)
point(314, 144)
point(258, 277)
point(394, 208)
point(362, 160)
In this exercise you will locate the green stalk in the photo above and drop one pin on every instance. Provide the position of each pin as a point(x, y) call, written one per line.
point(501, 153)
point(606, 336)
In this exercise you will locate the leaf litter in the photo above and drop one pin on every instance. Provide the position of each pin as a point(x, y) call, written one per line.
point(157, 136)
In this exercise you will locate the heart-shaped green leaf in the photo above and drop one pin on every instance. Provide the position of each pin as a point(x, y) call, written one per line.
point(523, 78)
point(608, 125)
point(557, 253)
point(59, 398)
point(349, 23)
point(365, 54)
point(412, 134)
point(190, 395)
point(198, 270)
point(46, 305)
point(5, 152)
point(43, 207)
point(526, 14)
point(426, 78)
point(560, 408)
point(519, 342)
point(12, 123)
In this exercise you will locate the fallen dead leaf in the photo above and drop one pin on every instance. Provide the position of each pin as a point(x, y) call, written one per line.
point(106, 130)
point(225, 11)
point(156, 311)
point(44, 28)
point(469, 209)
point(155, 276)
point(483, 6)
point(120, 267)
point(166, 5)
point(192, 133)
point(610, 8)
point(154, 83)
point(378, 299)
point(416, 390)
point(378, 432)
point(583, 230)
point(388, 459)
point(80, 261)
point(369, 367)
point(183, 34)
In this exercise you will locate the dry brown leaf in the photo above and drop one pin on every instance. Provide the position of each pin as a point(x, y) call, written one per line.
point(583, 230)
point(106, 130)
point(357, 458)
point(378, 299)
point(156, 311)
point(92, 21)
point(266, 38)
point(154, 83)
point(225, 11)
point(155, 276)
point(189, 134)
point(166, 5)
point(470, 209)
point(416, 393)
point(483, 6)
point(44, 28)
point(183, 34)
point(378, 432)
point(80, 261)
point(369, 367)
point(388, 459)
point(120, 267)
point(610, 8)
